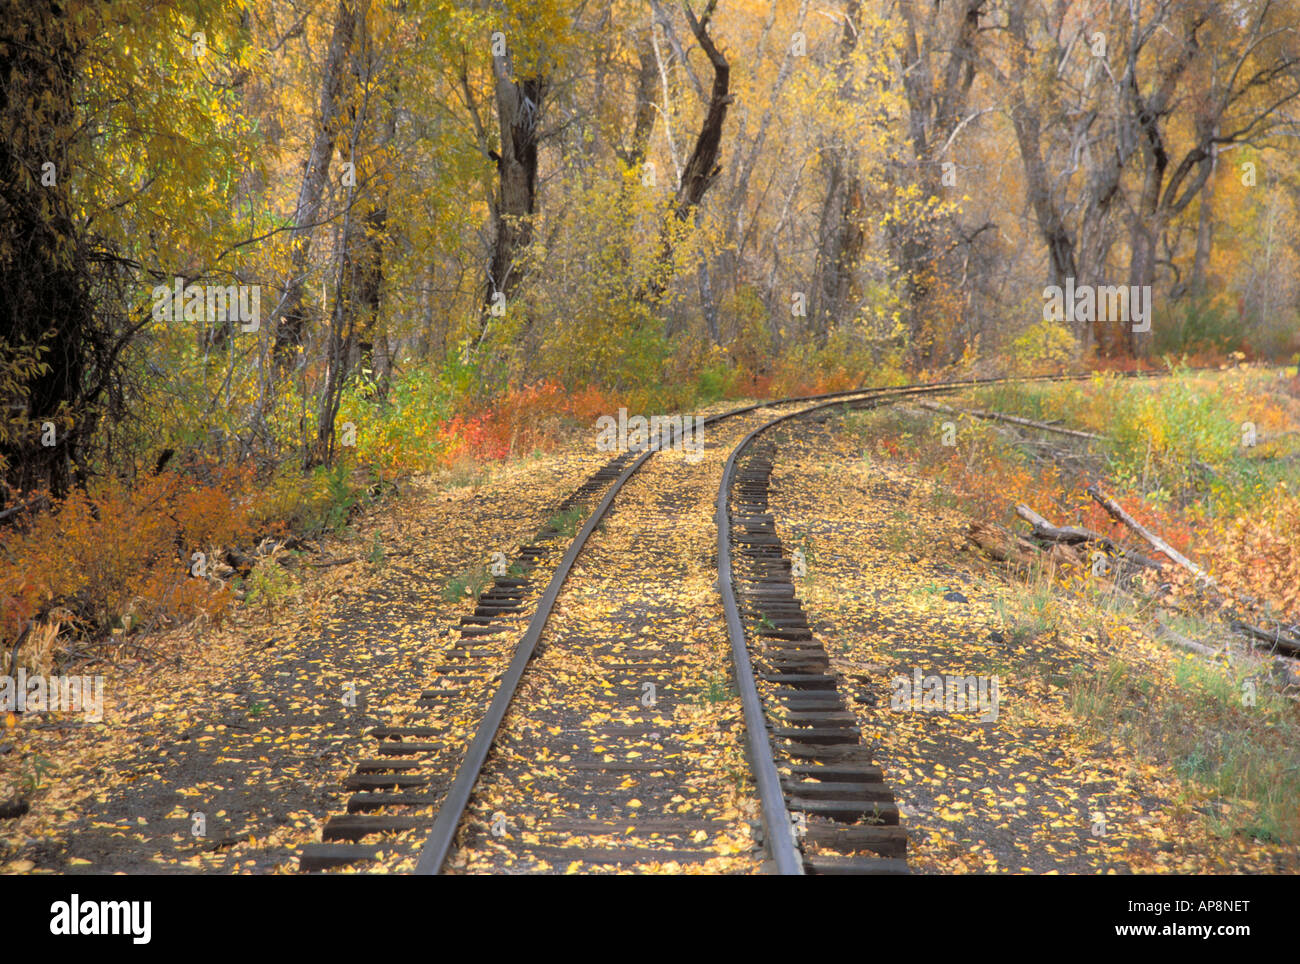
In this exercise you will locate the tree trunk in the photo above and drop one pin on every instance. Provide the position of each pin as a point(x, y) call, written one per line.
point(1204, 232)
point(355, 317)
point(935, 105)
point(370, 269)
point(1156, 205)
point(702, 166)
point(1027, 123)
point(44, 301)
point(1145, 228)
point(338, 348)
point(519, 111)
point(289, 312)
point(643, 111)
point(839, 231)
point(1051, 226)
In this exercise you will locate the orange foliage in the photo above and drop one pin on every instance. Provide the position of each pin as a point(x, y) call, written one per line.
point(539, 415)
point(792, 381)
point(995, 482)
point(121, 549)
point(1259, 555)
point(522, 420)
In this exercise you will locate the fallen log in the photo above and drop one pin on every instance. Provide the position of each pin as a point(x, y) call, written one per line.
point(1117, 512)
point(1070, 535)
point(1077, 535)
point(1283, 642)
point(1283, 669)
point(1181, 640)
point(1005, 546)
point(41, 502)
point(1013, 419)
point(1002, 544)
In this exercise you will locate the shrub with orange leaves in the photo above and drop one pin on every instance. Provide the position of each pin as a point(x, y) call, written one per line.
point(118, 549)
point(521, 420)
point(473, 435)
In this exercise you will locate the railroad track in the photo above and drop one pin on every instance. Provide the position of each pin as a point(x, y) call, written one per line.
point(403, 775)
point(818, 788)
point(804, 753)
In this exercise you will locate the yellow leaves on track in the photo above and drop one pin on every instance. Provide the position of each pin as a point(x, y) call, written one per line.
point(641, 607)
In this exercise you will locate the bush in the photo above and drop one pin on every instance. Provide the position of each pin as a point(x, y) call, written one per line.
point(807, 368)
point(1259, 554)
point(745, 328)
point(402, 433)
point(119, 549)
point(714, 382)
point(1207, 325)
point(320, 501)
point(123, 554)
point(1163, 434)
point(1046, 344)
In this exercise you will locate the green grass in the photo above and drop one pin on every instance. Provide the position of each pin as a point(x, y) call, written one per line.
point(1200, 325)
point(377, 553)
point(887, 421)
point(800, 541)
point(716, 689)
point(714, 382)
point(468, 582)
point(1028, 609)
point(1176, 439)
point(903, 534)
point(268, 585)
point(464, 473)
point(1204, 728)
point(566, 523)
point(929, 590)
point(34, 770)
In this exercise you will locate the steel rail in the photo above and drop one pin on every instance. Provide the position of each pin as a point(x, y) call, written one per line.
point(778, 831)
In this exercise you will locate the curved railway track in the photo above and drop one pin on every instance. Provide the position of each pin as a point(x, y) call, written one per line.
point(803, 750)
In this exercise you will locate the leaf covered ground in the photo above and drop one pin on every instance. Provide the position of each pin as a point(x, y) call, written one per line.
point(1038, 790)
point(248, 723)
point(632, 686)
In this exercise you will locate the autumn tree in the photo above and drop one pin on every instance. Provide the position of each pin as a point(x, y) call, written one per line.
point(329, 122)
point(44, 290)
point(702, 165)
point(940, 59)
